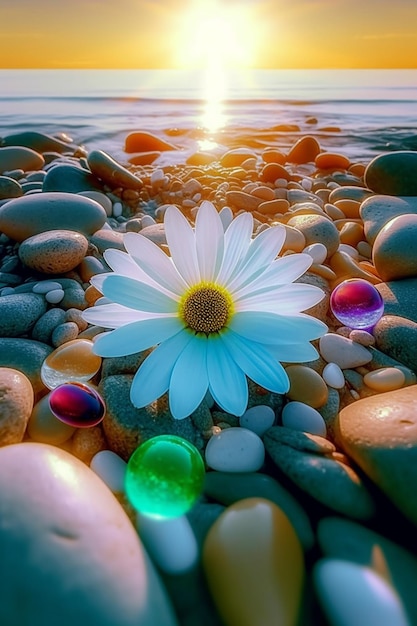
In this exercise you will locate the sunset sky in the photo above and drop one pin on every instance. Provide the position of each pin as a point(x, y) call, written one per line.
point(190, 33)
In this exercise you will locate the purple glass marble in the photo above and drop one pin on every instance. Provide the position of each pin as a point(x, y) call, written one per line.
point(357, 304)
point(77, 404)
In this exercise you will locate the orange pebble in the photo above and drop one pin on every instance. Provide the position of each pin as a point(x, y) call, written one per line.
point(272, 171)
point(349, 207)
point(351, 233)
point(304, 150)
point(332, 161)
point(274, 206)
point(270, 155)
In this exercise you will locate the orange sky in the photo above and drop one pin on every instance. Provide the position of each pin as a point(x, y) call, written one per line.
point(196, 33)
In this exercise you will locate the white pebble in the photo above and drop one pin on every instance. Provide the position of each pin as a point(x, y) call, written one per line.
point(333, 376)
point(350, 250)
point(258, 419)
point(170, 542)
point(235, 450)
point(307, 184)
point(111, 469)
point(281, 182)
point(337, 349)
point(355, 595)
point(117, 209)
point(54, 296)
point(147, 220)
point(300, 416)
point(157, 177)
point(46, 285)
point(317, 251)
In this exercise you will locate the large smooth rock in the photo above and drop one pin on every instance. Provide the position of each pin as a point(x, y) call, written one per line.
point(29, 215)
point(19, 312)
point(400, 298)
point(378, 210)
point(380, 434)
point(343, 539)
point(68, 548)
point(397, 337)
point(38, 141)
point(394, 173)
point(112, 173)
point(254, 565)
point(9, 188)
point(394, 252)
point(317, 228)
point(69, 178)
point(19, 158)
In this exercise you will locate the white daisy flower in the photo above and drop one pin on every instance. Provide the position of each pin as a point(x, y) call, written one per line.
point(221, 308)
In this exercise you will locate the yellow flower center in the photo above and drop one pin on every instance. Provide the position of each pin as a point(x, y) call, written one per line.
point(206, 307)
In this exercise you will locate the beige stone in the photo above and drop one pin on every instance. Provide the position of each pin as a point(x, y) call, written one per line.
point(16, 404)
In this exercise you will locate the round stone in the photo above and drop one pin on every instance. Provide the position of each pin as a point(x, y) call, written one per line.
point(235, 449)
point(357, 303)
point(164, 476)
point(54, 251)
point(77, 405)
point(393, 174)
point(73, 361)
point(394, 252)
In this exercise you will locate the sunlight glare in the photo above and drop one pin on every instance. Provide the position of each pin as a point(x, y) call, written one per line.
point(215, 38)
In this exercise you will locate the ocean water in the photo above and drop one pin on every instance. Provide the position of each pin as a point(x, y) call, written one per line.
point(358, 112)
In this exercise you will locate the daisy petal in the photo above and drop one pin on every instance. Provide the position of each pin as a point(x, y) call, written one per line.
point(282, 271)
point(111, 315)
point(227, 382)
point(154, 263)
point(151, 380)
point(262, 251)
point(98, 280)
point(257, 362)
point(181, 241)
point(270, 328)
point(189, 380)
point(294, 352)
point(209, 239)
point(136, 336)
point(236, 243)
point(284, 300)
point(122, 263)
point(137, 295)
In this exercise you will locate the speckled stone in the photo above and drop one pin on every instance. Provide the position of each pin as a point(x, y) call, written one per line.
point(9, 188)
point(107, 238)
point(328, 480)
point(380, 434)
point(376, 211)
point(16, 405)
point(64, 177)
point(400, 298)
point(350, 193)
point(20, 158)
point(343, 539)
point(26, 356)
point(394, 252)
point(394, 173)
point(29, 215)
point(155, 232)
point(112, 173)
point(56, 555)
point(53, 252)
point(19, 312)
point(397, 337)
point(317, 228)
point(126, 427)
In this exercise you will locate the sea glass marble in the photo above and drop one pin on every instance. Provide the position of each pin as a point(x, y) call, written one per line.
point(164, 476)
point(74, 360)
point(77, 404)
point(357, 304)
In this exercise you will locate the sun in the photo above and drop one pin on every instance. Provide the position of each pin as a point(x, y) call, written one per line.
point(214, 33)
point(216, 38)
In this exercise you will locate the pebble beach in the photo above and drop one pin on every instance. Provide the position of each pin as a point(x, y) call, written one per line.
point(308, 512)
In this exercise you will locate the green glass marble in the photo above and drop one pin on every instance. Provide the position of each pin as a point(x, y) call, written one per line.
point(164, 476)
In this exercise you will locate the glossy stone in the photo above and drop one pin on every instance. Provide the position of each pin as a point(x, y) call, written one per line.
point(77, 405)
point(357, 304)
point(72, 361)
point(164, 476)
point(254, 565)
